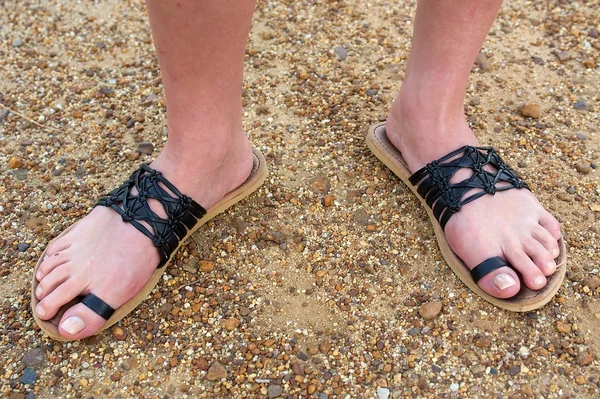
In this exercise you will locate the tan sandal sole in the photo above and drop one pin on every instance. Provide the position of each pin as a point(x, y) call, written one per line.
point(526, 300)
point(254, 181)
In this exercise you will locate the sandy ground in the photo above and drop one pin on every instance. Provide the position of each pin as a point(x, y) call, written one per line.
point(312, 287)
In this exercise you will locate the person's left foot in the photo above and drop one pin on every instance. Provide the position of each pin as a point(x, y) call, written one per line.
point(510, 224)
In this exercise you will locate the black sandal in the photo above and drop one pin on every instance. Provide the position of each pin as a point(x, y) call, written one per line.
point(443, 199)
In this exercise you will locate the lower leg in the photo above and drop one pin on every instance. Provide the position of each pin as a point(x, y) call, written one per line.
point(446, 40)
point(426, 121)
point(200, 46)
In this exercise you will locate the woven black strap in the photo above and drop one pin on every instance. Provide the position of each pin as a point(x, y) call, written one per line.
point(445, 198)
point(103, 309)
point(182, 212)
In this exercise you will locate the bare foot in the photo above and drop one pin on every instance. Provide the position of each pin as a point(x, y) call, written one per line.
point(511, 224)
point(103, 255)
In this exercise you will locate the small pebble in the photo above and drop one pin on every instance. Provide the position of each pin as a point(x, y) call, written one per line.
point(23, 246)
point(274, 391)
point(29, 376)
point(533, 110)
point(17, 42)
point(341, 52)
point(383, 393)
point(145, 148)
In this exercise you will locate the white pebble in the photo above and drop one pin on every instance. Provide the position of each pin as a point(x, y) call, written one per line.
point(383, 393)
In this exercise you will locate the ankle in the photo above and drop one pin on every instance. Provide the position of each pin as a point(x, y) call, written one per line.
point(425, 126)
point(206, 168)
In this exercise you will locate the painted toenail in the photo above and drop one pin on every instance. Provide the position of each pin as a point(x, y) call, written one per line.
point(540, 280)
point(73, 325)
point(39, 291)
point(40, 310)
point(503, 281)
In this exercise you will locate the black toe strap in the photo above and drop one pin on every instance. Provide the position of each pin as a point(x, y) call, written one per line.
point(445, 198)
point(488, 266)
point(103, 309)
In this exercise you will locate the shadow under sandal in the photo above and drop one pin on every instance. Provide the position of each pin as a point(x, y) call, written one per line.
point(184, 217)
point(443, 199)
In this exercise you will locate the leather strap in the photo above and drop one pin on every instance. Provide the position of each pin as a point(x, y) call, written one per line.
point(488, 266)
point(445, 198)
point(182, 212)
point(103, 309)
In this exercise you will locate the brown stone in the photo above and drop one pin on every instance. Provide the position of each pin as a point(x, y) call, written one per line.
point(202, 363)
point(483, 342)
point(216, 372)
point(36, 222)
point(118, 333)
point(580, 380)
point(429, 310)
point(320, 185)
point(592, 282)
point(297, 368)
point(533, 110)
point(527, 390)
point(584, 358)
point(115, 377)
point(230, 324)
point(206, 266)
point(563, 327)
point(325, 347)
point(15, 163)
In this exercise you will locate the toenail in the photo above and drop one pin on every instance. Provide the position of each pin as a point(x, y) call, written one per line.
point(551, 266)
point(73, 325)
point(39, 291)
point(39, 275)
point(556, 252)
point(503, 281)
point(40, 310)
point(539, 280)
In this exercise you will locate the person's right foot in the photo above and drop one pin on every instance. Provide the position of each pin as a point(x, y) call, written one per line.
point(113, 260)
point(510, 224)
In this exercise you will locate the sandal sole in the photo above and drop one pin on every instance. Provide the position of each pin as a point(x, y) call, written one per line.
point(50, 327)
point(526, 299)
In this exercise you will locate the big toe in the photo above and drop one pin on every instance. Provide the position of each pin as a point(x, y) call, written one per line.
point(502, 283)
point(80, 322)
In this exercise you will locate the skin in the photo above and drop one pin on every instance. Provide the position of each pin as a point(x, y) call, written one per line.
point(200, 46)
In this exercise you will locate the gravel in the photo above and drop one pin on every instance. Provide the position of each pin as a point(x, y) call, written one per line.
point(331, 221)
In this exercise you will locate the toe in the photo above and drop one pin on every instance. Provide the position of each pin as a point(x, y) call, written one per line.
point(58, 245)
point(530, 272)
point(80, 322)
point(550, 223)
point(545, 238)
point(51, 262)
point(542, 258)
point(55, 278)
point(52, 302)
point(502, 283)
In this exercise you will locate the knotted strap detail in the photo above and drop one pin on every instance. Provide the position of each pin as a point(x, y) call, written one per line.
point(445, 198)
point(182, 212)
